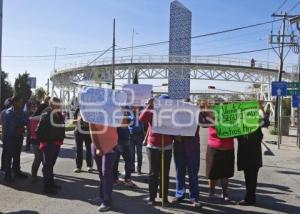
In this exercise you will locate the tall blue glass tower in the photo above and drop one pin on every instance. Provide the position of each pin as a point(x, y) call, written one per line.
point(179, 50)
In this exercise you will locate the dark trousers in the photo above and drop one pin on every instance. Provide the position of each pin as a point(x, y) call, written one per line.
point(154, 156)
point(50, 154)
point(28, 139)
point(187, 158)
point(136, 145)
point(3, 155)
point(251, 183)
point(123, 149)
point(38, 159)
point(105, 165)
point(80, 139)
point(13, 154)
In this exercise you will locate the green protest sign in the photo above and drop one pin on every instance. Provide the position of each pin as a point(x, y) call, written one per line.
point(235, 119)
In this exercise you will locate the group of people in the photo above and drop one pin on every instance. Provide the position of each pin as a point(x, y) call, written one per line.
point(48, 132)
point(44, 137)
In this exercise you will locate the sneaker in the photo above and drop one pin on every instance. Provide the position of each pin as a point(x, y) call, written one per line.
point(176, 200)
point(90, 169)
point(246, 203)
point(77, 170)
point(196, 204)
point(151, 203)
point(129, 183)
point(225, 198)
point(118, 182)
point(104, 208)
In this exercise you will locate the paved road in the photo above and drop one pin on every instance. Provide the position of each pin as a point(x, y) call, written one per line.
point(278, 190)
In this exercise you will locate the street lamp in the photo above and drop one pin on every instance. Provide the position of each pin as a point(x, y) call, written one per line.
point(54, 65)
point(55, 55)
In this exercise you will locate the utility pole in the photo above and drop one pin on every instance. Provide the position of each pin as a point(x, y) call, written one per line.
point(131, 69)
point(132, 40)
point(113, 54)
point(296, 20)
point(48, 82)
point(281, 40)
point(1, 22)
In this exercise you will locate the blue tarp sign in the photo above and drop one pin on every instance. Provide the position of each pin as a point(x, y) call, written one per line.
point(296, 101)
point(279, 89)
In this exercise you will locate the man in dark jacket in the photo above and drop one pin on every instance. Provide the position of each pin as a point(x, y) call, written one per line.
point(51, 133)
point(13, 123)
point(82, 135)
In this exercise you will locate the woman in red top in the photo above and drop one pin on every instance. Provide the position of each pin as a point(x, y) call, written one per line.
point(219, 161)
point(154, 151)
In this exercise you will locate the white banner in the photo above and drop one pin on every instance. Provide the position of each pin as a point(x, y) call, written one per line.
point(102, 106)
point(137, 94)
point(174, 117)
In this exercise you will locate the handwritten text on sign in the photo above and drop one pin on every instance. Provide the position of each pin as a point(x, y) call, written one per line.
point(173, 117)
point(102, 106)
point(235, 119)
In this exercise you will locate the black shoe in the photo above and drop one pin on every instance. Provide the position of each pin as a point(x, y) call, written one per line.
point(50, 190)
point(140, 172)
point(246, 203)
point(20, 175)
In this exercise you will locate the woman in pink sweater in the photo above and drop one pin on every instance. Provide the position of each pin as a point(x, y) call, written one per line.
point(219, 161)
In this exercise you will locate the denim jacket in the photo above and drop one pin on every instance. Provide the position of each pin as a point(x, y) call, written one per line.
point(14, 123)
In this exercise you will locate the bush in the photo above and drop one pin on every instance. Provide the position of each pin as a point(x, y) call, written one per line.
point(272, 130)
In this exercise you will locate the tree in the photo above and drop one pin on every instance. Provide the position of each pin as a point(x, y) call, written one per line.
point(22, 88)
point(6, 89)
point(40, 94)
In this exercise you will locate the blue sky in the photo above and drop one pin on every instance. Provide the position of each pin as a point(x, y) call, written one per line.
point(35, 27)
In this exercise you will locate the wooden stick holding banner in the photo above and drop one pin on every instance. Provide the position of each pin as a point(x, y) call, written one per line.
point(163, 170)
point(185, 113)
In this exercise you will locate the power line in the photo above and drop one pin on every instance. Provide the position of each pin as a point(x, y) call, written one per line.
point(294, 7)
point(150, 44)
point(207, 34)
point(99, 56)
point(282, 4)
point(236, 53)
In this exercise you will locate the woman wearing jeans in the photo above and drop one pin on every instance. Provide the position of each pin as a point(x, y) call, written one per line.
point(105, 161)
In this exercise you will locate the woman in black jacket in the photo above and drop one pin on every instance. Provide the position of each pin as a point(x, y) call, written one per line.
point(249, 159)
point(51, 133)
